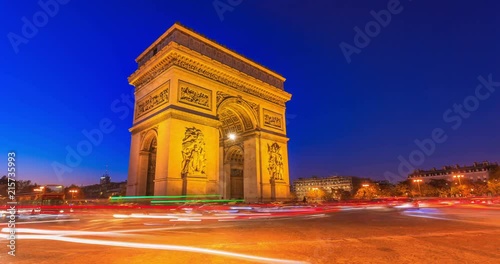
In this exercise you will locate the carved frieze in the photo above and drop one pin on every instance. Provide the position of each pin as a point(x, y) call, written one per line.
point(175, 59)
point(275, 166)
point(195, 95)
point(153, 100)
point(272, 119)
point(193, 153)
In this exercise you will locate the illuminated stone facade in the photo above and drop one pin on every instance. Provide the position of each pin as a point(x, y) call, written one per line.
point(474, 172)
point(190, 94)
point(302, 186)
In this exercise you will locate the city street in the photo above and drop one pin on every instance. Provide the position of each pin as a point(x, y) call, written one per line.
point(347, 235)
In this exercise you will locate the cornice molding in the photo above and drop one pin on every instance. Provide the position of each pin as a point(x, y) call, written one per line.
point(177, 57)
point(202, 45)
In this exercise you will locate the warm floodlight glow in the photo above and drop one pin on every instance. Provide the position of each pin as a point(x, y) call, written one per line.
point(231, 136)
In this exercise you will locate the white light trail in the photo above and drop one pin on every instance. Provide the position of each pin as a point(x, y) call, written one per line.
point(63, 232)
point(160, 247)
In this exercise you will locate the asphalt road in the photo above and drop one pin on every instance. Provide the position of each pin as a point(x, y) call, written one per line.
point(355, 235)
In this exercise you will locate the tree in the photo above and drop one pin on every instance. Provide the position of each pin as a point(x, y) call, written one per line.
point(387, 190)
point(23, 186)
point(345, 195)
point(494, 173)
point(315, 194)
point(461, 190)
point(479, 188)
point(429, 190)
point(494, 181)
point(367, 192)
point(402, 188)
point(442, 186)
point(494, 186)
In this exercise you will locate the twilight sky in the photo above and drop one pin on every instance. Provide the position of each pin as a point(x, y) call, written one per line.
point(431, 71)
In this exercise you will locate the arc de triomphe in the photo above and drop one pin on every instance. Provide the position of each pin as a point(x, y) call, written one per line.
point(206, 121)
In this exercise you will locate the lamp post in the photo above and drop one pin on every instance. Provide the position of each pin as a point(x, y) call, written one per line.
point(418, 181)
point(458, 177)
point(73, 193)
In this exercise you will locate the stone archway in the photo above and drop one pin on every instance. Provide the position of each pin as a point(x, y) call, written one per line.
point(238, 122)
point(148, 163)
point(190, 94)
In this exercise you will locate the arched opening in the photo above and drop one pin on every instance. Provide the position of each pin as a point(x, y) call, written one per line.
point(237, 119)
point(235, 160)
point(147, 163)
point(150, 179)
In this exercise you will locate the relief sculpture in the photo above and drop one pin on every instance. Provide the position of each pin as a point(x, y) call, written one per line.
point(152, 101)
point(272, 119)
point(193, 152)
point(194, 95)
point(275, 167)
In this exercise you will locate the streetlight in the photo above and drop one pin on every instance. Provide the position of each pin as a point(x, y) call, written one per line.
point(73, 193)
point(458, 177)
point(365, 185)
point(418, 181)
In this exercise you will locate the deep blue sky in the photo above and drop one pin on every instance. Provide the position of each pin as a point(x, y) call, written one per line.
point(345, 119)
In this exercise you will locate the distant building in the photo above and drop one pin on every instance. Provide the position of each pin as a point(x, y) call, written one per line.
point(302, 186)
point(105, 179)
point(99, 191)
point(105, 188)
point(92, 191)
point(474, 172)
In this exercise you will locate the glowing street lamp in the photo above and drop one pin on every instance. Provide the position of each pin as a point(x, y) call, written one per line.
point(73, 193)
point(458, 177)
point(418, 181)
point(365, 185)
